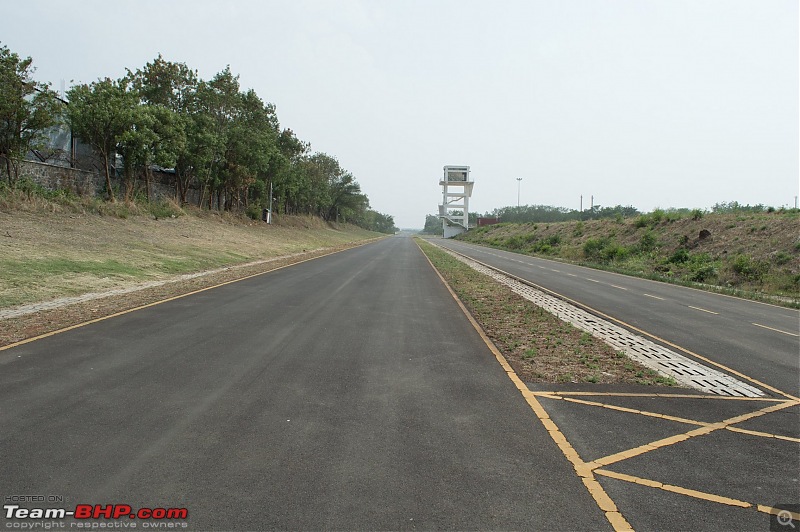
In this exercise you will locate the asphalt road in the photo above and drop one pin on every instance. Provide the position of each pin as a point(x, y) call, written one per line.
point(347, 392)
point(753, 338)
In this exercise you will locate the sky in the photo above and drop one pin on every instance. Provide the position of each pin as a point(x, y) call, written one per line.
point(649, 103)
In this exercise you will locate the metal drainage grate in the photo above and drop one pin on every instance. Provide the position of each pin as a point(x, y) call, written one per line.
point(654, 356)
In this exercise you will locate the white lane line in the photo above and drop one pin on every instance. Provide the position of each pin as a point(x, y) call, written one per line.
point(703, 310)
point(552, 270)
point(592, 280)
point(572, 275)
point(620, 287)
point(654, 297)
point(776, 330)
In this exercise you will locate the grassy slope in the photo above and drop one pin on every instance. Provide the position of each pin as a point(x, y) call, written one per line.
point(49, 250)
point(749, 253)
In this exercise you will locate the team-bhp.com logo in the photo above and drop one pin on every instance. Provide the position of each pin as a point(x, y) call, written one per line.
point(93, 512)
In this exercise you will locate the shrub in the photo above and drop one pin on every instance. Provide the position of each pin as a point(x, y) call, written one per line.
point(614, 252)
point(165, 209)
point(749, 269)
point(679, 257)
point(701, 267)
point(782, 257)
point(593, 248)
point(648, 242)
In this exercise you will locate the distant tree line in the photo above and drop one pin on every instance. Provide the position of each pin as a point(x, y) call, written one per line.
point(222, 141)
point(537, 213)
point(548, 214)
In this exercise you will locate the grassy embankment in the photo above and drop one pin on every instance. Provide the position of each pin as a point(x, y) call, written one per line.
point(539, 346)
point(54, 245)
point(754, 255)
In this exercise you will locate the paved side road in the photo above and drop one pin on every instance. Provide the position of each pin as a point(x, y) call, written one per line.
point(348, 392)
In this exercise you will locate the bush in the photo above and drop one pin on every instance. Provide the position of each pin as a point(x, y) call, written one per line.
point(679, 257)
point(749, 269)
point(516, 242)
point(593, 248)
point(702, 270)
point(782, 258)
point(648, 242)
point(614, 252)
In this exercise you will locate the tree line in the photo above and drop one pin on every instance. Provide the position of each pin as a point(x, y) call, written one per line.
point(220, 140)
point(537, 214)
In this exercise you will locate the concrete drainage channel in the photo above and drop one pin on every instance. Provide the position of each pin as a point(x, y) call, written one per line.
point(684, 370)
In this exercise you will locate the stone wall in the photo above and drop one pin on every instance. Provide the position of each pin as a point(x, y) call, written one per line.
point(53, 177)
point(86, 183)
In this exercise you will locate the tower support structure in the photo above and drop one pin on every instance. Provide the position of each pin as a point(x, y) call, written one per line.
point(454, 209)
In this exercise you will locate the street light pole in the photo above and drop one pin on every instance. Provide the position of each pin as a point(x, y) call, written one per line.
point(519, 185)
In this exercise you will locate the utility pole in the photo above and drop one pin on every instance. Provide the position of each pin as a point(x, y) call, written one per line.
point(581, 204)
point(519, 186)
point(591, 208)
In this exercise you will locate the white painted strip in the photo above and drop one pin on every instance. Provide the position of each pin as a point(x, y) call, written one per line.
point(776, 330)
point(620, 287)
point(592, 280)
point(654, 297)
point(702, 309)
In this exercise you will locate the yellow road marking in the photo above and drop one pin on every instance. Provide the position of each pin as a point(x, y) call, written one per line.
point(762, 434)
point(665, 442)
point(702, 309)
point(141, 307)
point(776, 330)
point(675, 489)
point(639, 412)
point(777, 511)
point(667, 395)
point(666, 416)
point(654, 297)
point(594, 488)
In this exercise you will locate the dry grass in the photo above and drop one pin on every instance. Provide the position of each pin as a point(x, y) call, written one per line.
point(48, 251)
point(30, 325)
point(753, 255)
point(539, 346)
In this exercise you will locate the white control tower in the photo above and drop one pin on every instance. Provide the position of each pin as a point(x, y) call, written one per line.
point(456, 191)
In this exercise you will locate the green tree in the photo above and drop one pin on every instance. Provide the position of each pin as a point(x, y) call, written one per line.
point(433, 225)
point(27, 109)
point(170, 89)
point(102, 114)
